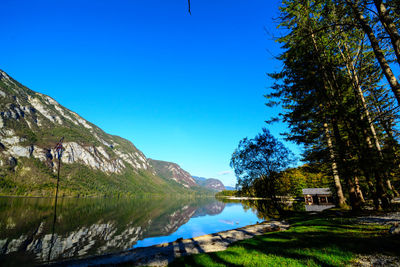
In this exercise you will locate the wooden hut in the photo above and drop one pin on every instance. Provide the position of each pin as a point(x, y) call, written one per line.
point(318, 196)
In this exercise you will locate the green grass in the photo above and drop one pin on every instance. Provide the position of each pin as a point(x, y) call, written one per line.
point(311, 241)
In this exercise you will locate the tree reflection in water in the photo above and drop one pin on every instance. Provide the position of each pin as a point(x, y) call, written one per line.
point(32, 230)
point(29, 232)
point(264, 209)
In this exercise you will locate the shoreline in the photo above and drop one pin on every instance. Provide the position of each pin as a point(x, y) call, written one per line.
point(247, 198)
point(107, 197)
point(165, 253)
point(256, 198)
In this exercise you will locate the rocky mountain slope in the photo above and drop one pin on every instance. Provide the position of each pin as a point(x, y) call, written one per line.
point(209, 183)
point(172, 171)
point(94, 162)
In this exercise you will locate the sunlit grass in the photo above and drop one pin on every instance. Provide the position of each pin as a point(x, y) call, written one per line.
point(311, 241)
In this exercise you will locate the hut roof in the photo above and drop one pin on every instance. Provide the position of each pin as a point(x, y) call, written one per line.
point(317, 191)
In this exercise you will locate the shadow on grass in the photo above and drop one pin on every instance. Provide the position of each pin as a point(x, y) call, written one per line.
point(313, 242)
point(217, 258)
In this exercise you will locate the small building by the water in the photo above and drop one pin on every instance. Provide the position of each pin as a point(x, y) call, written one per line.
point(319, 196)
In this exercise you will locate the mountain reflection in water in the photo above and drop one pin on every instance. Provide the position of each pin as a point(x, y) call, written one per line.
point(92, 226)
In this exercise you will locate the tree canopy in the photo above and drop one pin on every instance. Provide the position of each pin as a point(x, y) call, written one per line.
point(340, 98)
point(332, 89)
point(260, 158)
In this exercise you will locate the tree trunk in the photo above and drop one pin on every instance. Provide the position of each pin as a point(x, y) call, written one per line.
point(387, 71)
point(354, 200)
point(351, 71)
point(271, 191)
point(389, 132)
point(389, 184)
point(395, 192)
point(390, 27)
point(381, 192)
point(358, 191)
point(335, 172)
point(391, 188)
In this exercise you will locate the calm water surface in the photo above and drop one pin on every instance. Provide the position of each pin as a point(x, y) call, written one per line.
point(85, 227)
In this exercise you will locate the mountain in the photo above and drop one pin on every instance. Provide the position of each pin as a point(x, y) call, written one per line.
point(199, 180)
point(209, 183)
point(93, 163)
point(172, 171)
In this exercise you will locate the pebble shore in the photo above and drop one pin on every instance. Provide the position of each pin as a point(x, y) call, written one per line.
point(161, 255)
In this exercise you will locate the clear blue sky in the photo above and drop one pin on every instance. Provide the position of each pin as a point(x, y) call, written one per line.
point(182, 88)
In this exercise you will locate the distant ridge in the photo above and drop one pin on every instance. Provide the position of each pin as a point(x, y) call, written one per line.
point(172, 171)
point(210, 183)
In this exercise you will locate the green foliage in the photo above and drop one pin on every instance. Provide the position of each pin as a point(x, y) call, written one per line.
point(332, 98)
point(293, 180)
point(30, 137)
point(226, 193)
point(7, 184)
point(48, 136)
point(258, 162)
point(80, 180)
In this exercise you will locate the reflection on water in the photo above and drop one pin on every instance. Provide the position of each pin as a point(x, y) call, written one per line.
point(232, 216)
point(96, 226)
point(85, 227)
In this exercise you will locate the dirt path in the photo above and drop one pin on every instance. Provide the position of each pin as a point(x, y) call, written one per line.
point(384, 219)
point(379, 260)
point(161, 255)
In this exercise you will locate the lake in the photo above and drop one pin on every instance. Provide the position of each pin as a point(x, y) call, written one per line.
point(29, 233)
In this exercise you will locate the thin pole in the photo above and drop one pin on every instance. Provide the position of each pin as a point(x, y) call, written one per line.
point(55, 212)
point(58, 175)
point(59, 149)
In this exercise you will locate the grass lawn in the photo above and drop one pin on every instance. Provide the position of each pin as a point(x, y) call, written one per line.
point(312, 240)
